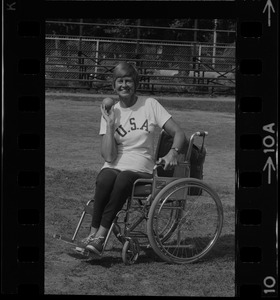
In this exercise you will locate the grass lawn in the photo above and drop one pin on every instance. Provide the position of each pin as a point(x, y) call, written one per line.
point(72, 162)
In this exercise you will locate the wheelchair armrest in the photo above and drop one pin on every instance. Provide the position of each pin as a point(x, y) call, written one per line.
point(141, 181)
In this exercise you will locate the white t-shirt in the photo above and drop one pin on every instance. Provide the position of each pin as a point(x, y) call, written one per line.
point(134, 134)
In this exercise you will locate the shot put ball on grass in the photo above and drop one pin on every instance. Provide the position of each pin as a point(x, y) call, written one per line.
point(108, 103)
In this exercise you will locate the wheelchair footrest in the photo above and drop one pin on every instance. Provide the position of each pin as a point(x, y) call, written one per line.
point(69, 241)
point(64, 239)
point(82, 251)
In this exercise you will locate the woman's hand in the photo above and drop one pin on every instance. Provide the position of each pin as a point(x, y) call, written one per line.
point(170, 160)
point(109, 116)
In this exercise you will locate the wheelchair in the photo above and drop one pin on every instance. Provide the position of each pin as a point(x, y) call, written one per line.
point(180, 217)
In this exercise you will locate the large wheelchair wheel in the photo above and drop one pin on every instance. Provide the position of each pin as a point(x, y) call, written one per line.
point(184, 221)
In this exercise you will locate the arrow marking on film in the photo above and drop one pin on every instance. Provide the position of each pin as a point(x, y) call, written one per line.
point(269, 7)
point(269, 164)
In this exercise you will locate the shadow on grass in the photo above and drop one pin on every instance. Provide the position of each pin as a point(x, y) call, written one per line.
point(113, 256)
point(108, 260)
point(224, 249)
point(105, 261)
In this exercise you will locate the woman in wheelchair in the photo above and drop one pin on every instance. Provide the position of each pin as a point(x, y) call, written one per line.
point(127, 133)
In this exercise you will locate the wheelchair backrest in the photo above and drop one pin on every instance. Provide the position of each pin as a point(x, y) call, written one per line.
point(196, 160)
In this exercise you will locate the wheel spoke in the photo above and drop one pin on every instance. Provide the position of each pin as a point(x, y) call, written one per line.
point(183, 227)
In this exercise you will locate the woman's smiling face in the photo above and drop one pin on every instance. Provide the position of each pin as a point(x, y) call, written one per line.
point(125, 86)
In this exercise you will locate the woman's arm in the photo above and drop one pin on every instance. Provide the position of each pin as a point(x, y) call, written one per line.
point(173, 129)
point(108, 142)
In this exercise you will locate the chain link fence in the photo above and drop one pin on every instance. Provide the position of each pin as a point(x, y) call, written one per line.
point(86, 63)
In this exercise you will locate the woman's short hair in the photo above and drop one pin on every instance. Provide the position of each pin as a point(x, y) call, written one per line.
point(125, 69)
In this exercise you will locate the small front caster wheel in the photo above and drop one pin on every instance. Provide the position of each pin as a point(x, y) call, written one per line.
point(130, 251)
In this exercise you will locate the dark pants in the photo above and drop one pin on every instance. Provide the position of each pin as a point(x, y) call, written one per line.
point(113, 187)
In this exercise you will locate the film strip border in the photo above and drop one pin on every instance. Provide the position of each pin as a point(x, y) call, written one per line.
point(256, 147)
point(23, 139)
point(23, 118)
